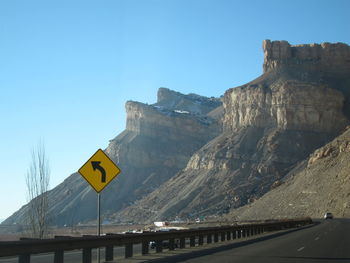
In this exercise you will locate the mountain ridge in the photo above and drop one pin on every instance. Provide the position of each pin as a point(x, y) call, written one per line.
point(187, 156)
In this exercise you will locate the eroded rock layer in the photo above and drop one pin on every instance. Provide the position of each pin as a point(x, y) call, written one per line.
point(288, 105)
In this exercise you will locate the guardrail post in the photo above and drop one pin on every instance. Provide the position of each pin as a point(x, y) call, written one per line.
point(209, 240)
point(87, 255)
point(200, 240)
point(145, 247)
point(171, 243)
point(109, 250)
point(128, 250)
point(159, 246)
point(58, 257)
point(216, 237)
point(59, 254)
point(228, 235)
point(109, 255)
point(24, 258)
point(222, 236)
point(244, 233)
point(182, 242)
point(192, 241)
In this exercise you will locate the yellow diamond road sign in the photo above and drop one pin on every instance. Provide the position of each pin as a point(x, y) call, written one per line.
point(99, 170)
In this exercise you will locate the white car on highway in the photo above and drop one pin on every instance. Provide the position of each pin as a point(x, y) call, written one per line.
point(328, 215)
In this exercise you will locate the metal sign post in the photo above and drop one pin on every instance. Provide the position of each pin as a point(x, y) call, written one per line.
point(98, 223)
point(98, 214)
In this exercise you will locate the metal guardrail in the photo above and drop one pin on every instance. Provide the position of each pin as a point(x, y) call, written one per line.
point(27, 247)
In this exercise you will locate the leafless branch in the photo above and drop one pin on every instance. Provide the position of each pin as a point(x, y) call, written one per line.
point(37, 180)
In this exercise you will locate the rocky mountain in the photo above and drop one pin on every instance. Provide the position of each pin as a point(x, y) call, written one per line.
point(157, 143)
point(318, 185)
point(188, 156)
point(270, 125)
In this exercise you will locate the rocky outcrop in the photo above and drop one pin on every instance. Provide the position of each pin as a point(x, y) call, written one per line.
point(193, 103)
point(340, 145)
point(323, 64)
point(157, 143)
point(270, 125)
point(318, 185)
point(287, 105)
point(325, 57)
point(164, 123)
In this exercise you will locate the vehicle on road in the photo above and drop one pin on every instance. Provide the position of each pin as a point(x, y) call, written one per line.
point(328, 215)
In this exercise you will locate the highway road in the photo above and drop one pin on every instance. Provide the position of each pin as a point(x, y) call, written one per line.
point(328, 241)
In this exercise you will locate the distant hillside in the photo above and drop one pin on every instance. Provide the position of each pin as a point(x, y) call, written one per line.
point(319, 184)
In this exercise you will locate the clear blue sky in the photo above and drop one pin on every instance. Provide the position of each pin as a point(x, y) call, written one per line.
point(67, 67)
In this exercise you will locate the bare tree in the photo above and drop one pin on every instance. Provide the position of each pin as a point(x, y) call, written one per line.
point(37, 180)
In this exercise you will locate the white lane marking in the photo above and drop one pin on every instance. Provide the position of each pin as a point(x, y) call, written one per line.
point(317, 238)
point(300, 249)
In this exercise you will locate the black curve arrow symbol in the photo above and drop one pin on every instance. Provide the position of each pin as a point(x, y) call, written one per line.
point(96, 165)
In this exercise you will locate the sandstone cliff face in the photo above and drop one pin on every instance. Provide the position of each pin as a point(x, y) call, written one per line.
point(325, 57)
point(321, 64)
point(160, 122)
point(270, 124)
point(193, 103)
point(158, 141)
point(288, 105)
